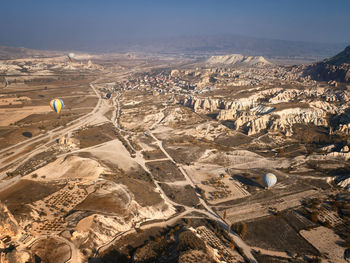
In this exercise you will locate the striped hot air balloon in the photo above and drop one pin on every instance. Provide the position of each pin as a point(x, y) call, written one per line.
point(269, 180)
point(56, 105)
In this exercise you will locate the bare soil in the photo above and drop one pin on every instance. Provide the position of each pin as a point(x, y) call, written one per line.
point(152, 155)
point(181, 194)
point(143, 191)
point(108, 203)
point(96, 135)
point(274, 233)
point(165, 171)
point(185, 154)
point(235, 140)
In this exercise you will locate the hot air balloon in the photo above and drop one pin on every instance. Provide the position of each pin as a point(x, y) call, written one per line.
point(56, 105)
point(269, 180)
point(71, 56)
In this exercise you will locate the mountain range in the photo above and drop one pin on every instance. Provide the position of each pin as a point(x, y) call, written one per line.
point(7, 52)
point(206, 46)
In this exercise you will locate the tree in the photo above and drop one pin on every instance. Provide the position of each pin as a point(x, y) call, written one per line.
point(244, 230)
point(281, 151)
point(240, 228)
point(314, 217)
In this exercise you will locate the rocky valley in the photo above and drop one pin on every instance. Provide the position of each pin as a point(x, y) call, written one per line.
point(163, 159)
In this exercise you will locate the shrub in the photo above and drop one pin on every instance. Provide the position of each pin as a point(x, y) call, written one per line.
point(347, 242)
point(314, 217)
point(327, 224)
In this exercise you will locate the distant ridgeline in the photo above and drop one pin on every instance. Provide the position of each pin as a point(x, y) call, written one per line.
point(21, 52)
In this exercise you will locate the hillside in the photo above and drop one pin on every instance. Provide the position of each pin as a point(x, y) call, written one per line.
point(336, 68)
point(341, 58)
point(238, 59)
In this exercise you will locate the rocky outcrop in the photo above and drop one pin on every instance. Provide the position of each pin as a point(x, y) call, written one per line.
point(263, 110)
point(324, 106)
point(282, 121)
point(289, 117)
point(212, 105)
point(175, 73)
point(336, 68)
point(341, 58)
point(257, 125)
point(205, 104)
point(324, 72)
point(343, 181)
point(344, 128)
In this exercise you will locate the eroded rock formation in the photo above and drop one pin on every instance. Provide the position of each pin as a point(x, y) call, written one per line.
point(278, 109)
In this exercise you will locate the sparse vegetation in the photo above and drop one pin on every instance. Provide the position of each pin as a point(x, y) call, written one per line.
point(188, 241)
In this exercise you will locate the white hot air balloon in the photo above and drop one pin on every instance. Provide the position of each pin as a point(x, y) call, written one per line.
point(71, 56)
point(269, 180)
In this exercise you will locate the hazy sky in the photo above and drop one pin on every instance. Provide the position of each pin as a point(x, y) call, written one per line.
point(69, 23)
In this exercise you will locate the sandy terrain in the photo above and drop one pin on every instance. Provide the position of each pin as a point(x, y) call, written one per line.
point(115, 153)
point(69, 167)
point(11, 115)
